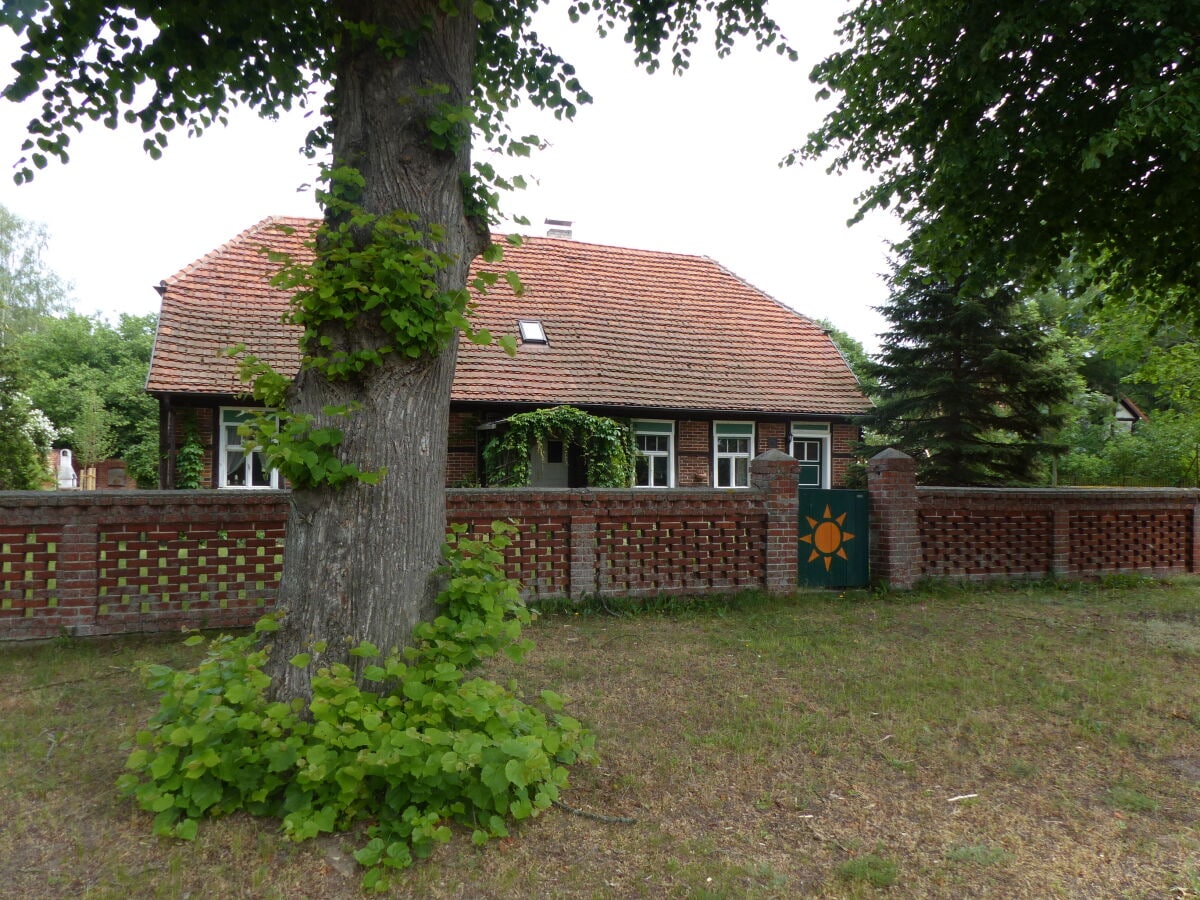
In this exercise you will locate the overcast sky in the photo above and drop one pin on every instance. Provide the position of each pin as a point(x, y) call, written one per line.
point(658, 162)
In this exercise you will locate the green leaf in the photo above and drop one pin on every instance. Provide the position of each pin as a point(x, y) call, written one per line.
point(187, 829)
point(300, 660)
point(514, 771)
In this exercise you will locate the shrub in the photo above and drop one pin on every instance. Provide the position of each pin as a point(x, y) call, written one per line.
point(426, 746)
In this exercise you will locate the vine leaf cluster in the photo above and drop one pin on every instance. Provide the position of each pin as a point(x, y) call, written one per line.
point(422, 744)
point(608, 446)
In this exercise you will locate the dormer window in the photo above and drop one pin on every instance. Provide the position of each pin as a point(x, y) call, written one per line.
point(532, 332)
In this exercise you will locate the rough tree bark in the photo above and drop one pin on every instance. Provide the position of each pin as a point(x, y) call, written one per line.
point(359, 559)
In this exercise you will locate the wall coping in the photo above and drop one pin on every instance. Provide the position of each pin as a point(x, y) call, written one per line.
point(1073, 493)
point(217, 496)
point(202, 497)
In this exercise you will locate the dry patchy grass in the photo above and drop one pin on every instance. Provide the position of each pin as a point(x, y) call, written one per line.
point(1041, 742)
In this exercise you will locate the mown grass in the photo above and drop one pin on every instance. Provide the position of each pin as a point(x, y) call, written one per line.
point(1033, 742)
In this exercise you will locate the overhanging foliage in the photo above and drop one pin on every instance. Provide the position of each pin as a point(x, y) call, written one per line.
point(1013, 134)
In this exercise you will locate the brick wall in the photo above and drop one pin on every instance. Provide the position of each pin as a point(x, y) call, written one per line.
point(84, 562)
point(980, 534)
point(843, 440)
point(694, 452)
point(105, 562)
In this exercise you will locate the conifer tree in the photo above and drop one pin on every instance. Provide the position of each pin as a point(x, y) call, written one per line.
point(971, 386)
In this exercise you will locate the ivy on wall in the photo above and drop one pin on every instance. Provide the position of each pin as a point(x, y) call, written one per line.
point(607, 445)
point(189, 458)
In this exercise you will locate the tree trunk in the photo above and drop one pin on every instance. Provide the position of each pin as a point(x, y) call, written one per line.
point(359, 559)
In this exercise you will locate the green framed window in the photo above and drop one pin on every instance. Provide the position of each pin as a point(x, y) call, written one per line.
point(733, 448)
point(655, 463)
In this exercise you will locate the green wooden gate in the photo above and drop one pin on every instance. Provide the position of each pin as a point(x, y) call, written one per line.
point(834, 547)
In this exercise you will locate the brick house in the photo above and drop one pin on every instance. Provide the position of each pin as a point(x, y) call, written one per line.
point(708, 370)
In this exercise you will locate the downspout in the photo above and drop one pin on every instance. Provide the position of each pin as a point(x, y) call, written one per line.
point(166, 443)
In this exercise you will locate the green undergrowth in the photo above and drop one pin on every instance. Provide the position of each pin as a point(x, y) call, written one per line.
point(420, 746)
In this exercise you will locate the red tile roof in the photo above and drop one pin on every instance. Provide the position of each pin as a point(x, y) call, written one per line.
point(625, 328)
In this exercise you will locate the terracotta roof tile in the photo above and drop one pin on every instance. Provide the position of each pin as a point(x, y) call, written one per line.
point(625, 328)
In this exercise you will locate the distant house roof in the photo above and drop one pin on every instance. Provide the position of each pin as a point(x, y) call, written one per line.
point(626, 328)
point(1128, 411)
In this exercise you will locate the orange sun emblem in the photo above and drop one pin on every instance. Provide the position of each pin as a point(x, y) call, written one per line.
point(828, 538)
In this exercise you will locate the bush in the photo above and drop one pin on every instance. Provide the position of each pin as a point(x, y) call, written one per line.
point(425, 747)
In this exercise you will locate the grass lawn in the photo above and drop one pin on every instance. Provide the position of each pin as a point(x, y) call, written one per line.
point(1040, 742)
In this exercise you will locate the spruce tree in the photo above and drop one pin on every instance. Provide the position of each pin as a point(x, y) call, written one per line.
point(970, 385)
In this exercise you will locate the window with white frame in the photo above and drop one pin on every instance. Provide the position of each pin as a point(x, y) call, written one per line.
point(733, 449)
point(655, 463)
point(239, 466)
point(810, 447)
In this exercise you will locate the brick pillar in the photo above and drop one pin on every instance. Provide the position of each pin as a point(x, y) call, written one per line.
point(1060, 551)
point(76, 571)
point(895, 542)
point(583, 548)
point(1194, 562)
point(775, 474)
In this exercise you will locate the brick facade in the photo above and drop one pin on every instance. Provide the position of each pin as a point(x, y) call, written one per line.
point(693, 443)
point(980, 534)
point(111, 562)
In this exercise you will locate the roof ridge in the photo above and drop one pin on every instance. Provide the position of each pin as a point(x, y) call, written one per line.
point(575, 242)
point(211, 255)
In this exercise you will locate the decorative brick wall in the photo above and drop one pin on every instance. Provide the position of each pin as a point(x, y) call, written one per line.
point(84, 562)
point(102, 562)
point(1005, 533)
point(578, 543)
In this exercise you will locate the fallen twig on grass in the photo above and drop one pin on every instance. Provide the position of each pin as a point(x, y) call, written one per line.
point(616, 820)
point(821, 836)
point(42, 687)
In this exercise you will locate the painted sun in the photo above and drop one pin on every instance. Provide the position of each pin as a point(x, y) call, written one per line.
point(828, 538)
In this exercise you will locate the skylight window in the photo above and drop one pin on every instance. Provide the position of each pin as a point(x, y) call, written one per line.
point(532, 332)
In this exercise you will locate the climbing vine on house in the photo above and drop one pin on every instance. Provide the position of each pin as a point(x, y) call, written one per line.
point(189, 458)
point(608, 446)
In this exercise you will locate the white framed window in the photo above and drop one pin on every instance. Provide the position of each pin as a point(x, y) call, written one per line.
point(733, 448)
point(810, 447)
point(238, 466)
point(655, 463)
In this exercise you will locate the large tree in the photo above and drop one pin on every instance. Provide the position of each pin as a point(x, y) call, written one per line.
point(411, 85)
point(973, 385)
point(1017, 133)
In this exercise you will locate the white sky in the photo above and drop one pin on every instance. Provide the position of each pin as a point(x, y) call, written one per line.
point(658, 162)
